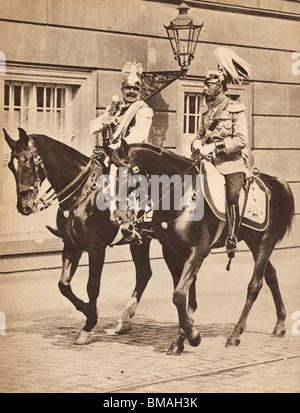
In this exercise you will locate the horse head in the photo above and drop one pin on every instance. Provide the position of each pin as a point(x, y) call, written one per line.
point(27, 169)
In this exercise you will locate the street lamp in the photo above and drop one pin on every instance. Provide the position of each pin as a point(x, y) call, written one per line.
point(183, 33)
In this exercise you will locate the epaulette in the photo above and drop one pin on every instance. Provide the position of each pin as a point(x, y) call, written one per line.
point(146, 111)
point(235, 106)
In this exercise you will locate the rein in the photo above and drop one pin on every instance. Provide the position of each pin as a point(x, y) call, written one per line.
point(80, 180)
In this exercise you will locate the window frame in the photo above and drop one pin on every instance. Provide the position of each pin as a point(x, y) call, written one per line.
point(33, 74)
point(32, 108)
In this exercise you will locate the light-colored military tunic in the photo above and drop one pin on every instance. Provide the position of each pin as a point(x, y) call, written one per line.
point(231, 134)
point(137, 130)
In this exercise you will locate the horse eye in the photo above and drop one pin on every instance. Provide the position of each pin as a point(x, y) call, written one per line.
point(25, 159)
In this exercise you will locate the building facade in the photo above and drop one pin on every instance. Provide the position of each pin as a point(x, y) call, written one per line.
point(63, 62)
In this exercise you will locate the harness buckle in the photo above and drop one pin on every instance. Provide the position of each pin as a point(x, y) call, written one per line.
point(37, 160)
point(94, 185)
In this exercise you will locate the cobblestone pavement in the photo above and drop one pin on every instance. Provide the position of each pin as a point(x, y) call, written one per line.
point(38, 355)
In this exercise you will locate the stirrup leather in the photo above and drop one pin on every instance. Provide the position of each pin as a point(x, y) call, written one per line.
point(231, 240)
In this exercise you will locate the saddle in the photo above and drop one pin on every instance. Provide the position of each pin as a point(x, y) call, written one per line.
point(254, 197)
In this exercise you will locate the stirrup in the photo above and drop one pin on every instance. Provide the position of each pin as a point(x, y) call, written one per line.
point(231, 244)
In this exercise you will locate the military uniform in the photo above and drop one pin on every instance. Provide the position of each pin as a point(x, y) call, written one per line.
point(230, 136)
point(134, 126)
point(131, 122)
point(129, 118)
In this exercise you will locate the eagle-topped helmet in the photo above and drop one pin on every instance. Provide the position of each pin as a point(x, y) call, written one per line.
point(135, 71)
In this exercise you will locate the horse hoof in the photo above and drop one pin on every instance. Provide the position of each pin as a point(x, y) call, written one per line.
point(278, 332)
point(195, 338)
point(123, 326)
point(83, 338)
point(175, 349)
point(232, 342)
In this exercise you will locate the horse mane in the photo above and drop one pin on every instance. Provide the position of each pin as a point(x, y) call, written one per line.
point(165, 153)
point(43, 143)
point(144, 145)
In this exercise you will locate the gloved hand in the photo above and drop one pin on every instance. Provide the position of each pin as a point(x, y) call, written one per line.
point(204, 151)
point(106, 119)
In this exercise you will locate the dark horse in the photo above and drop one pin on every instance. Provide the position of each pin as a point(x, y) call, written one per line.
point(82, 226)
point(187, 243)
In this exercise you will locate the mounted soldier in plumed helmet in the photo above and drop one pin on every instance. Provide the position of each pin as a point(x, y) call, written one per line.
point(129, 118)
point(223, 136)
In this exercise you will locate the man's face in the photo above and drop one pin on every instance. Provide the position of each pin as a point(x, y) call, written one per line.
point(131, 93)
point(211, 89)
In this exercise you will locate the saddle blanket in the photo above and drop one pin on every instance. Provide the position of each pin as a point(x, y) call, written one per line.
point(256, 214)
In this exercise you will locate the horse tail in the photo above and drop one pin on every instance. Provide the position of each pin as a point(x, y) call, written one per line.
point(283, 205)
point(288, 209)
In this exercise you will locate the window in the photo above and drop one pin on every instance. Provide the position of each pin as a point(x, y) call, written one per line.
point(191, 112)
point(38, 107)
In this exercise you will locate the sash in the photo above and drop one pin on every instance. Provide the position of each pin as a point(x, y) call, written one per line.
point(127, 118)
point(215, 120)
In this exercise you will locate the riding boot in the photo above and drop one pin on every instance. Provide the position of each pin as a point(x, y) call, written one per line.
point(231, 240)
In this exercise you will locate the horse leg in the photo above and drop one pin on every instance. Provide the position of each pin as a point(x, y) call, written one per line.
point(177, 346)
point(96, 261)
point(183, 289)
point(272, 282)
point(261, 260)
point(192, 301)
point(141, 259)
point(175, 264)
point(70, 259)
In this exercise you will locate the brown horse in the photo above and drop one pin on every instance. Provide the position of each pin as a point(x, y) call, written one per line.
point(186, 243)
point(82, 226)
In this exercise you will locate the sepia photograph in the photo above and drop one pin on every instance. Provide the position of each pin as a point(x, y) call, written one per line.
point(149, 195)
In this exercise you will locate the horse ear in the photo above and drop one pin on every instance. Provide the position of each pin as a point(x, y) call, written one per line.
point(23, 135)
point(124, 146)
point(8, 139)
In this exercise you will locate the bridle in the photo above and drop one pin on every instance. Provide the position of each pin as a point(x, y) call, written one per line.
point(38, 163)
point(48, 197)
